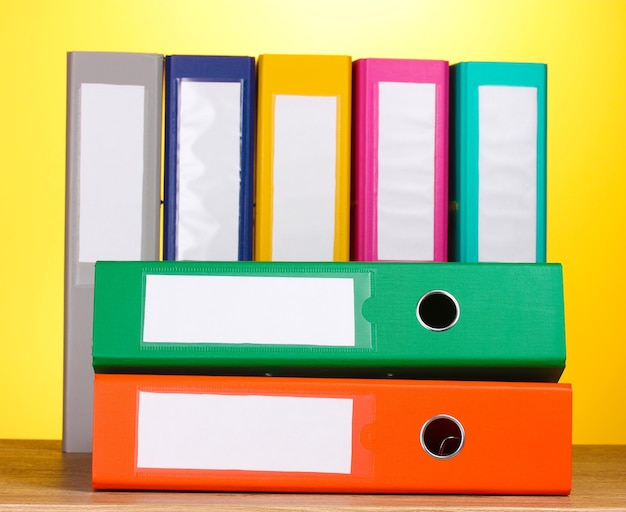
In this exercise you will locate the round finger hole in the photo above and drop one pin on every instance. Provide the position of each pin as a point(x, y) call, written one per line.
point(442, 436)
point(438, 310)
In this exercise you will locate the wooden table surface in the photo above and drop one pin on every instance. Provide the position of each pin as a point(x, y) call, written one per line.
point(36, 475)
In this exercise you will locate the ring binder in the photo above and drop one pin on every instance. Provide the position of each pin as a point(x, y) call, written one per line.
point(400, 177)
point(331, 319)
point(209, 157)
point(303, 158)
point(347, 435)
point(498, 176)
point(112, 199)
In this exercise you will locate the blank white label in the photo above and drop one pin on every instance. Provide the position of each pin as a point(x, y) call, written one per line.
point(406, 171)
point(209, 167)
point(111, 172)
point(253, 433)
point(304, 170)
point(507, 173)
point(249, 309)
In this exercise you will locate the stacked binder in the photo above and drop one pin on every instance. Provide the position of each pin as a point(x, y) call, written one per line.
point(396, 372)
point(326, 377)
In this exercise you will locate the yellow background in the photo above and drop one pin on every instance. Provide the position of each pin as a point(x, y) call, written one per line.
point(583, 43)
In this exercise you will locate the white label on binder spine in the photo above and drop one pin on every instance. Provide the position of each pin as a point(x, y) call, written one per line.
point(248, 433)
point(406, 171)
point(507, 173)
point(209, 165)
point(111, 172)
point(304, 171)
point(249, 309)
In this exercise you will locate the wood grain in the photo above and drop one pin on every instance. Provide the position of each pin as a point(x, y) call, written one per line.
point(36, 475)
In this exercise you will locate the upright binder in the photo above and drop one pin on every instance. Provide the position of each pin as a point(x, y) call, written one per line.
point(403, 319)
point(498, 175)
point(258, 434)
point(209, 157)
point(303, 158)
point(400, 160)
point(112, 199)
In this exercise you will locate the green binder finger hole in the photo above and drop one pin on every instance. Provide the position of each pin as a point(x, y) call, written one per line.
point(438, 310)
point(442, 436)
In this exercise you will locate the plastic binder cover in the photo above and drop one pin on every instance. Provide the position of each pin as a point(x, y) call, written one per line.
point(417, 320)
point(303, 158)
point(498, 173)
point(331, 435)
point(112, 199)
point(209, 157)
point(400, 160)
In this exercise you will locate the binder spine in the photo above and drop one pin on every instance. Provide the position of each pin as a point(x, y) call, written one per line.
point(498, 182)
point(209, 157)
point(401, 160)
point(413, 320)
point(112, 199)
point(331, 435)
point(303, 158)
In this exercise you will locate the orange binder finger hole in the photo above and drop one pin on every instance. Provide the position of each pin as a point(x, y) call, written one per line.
point(442, 436)
point(438, 310)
